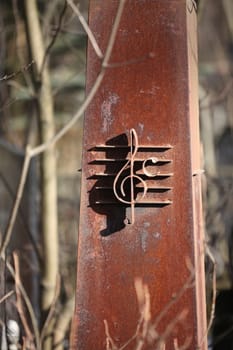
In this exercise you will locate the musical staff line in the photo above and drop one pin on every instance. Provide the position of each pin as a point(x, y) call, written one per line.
point(115, 160)
point(127, 147)
point(158, 175)
point(139, 203)
point(131, 185)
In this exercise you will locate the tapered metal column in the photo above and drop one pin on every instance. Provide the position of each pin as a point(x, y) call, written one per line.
point(140, 216)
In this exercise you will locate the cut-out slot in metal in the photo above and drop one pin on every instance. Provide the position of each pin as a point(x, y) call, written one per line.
point(132, 178)
point(115, 160)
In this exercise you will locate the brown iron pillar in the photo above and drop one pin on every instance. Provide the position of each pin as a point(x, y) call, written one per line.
point(140, 279)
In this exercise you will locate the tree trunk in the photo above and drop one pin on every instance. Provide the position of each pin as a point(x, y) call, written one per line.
point(48, 160)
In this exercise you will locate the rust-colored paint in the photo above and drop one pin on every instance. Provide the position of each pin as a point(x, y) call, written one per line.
point(152, 89)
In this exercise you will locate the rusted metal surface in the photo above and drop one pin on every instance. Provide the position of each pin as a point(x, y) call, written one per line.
point(140, 200)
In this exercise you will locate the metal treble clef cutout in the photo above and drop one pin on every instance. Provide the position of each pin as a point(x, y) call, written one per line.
point(119, 188)
point(129, 175)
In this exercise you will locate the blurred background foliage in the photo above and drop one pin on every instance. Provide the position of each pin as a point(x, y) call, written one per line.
point(65, 46)
point(65, 40)
point(215, 38)
point(67, 71)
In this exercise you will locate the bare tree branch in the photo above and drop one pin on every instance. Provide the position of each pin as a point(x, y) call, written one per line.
point(20, 307)
point(46, 327)
point(55, 35)
point(214, 289)
point(9, 294)
point(32, 152)
point(27, 303)
point(49, 214)
point(19, 71)
point(90, 35)
point(15, 208)
point(23, 219)
point(209, 102)
point(63, 322)
point(41, 148)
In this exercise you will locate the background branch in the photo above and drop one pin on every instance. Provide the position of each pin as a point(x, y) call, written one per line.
point(48, 161)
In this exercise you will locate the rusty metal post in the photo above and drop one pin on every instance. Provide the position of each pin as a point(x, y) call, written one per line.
point(140, 216)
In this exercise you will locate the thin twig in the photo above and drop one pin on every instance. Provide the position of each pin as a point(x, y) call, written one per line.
point(9, 294)
point(26, 90)
point(23, 219)
point(162, 346)
point(55, 35)
point(8, 103)
point(110, 345)
point(149, 331)
point(188, 284)
point(214, 295)
point(49, 13)
point(185, 346)
point(19, 71)
point(51, 310)
point(175, 343)
point(87, 29)
point(41, 148)
point(143, 297)
point(214, 288)
point(19, 52)
point(62, 323)
point(27, 303)
point(113, 33)
point(219, 98)
point(19, 302)
point(135, 336)
point(15, 208)
point(168, 330)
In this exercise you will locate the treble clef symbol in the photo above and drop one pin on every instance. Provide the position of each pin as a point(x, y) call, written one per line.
point(119, 190)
